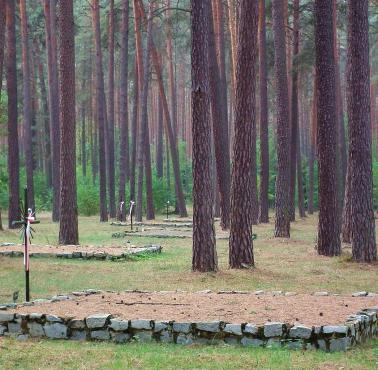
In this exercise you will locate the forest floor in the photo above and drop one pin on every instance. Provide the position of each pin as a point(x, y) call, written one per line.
point(281, 264)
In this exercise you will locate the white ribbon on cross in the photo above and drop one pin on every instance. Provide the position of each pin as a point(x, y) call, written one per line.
point(29, 220)
point(131, 209)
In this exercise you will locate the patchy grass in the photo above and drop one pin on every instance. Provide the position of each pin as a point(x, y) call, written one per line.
point(290, 265)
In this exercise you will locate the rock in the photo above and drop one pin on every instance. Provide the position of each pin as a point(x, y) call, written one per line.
point(250, 329)
point(372, 294)
point(53, 318)
point(14, 327)
point(273, 343)
point(184, 339)
point(248, 342)
point(340, 344)
point(55, 331)
point(321, 294)
point(97, 321)
point(35, 329)
point(77, 324)
point(206, 291)
point(277, 292)
point(100, 335)
point(78, 335)
point(360, 294)
point(22, 337)
point(166, 336)
point(232, 341)
point(330, 329)
point(160, 326)
point(5, 316)
point(296, 344)
point(120, 337)
point(258, 292)
point(143, 336)
point(299, 331)
point(322, 344)
point(35, 316)
point(182, 327)
point(141, 324)
point(3, 329)
point(233, 329)
point(212, 327)
point(273, 329)
point(118, 325)
point(290, 294)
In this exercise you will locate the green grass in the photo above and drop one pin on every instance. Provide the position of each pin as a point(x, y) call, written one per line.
point(280, 265)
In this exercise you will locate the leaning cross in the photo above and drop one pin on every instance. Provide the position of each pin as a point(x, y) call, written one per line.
point(27, 218)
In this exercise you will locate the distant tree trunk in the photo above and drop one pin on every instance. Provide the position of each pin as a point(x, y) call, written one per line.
point(2, 40)
point(264, 136)
point(45, 110)
point(1, 221)
point(301, 206)
point(13, 154)
point(282, 224)
point(68, 231)
point(100, 109)
point(241, 248)
point(83, 129)
point(362, 222)
point(111, 174)
point(328, 228)
point(27, 104)
point(159, 145)
point(134, 132)
point(169, 132)
point(204, 250)
point(294, 109)
point(311, 156)
point(222, 158)
point(52, 72)
point(124, 160)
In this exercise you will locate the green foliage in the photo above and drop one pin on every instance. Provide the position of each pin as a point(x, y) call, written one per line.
point(87, 196)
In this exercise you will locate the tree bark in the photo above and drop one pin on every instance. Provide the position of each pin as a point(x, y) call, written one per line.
point(264, 135)
point(2, 40)
point(362, 222)
point(328, 227)
point(204, 257)
point(311, 156)
point(282, 223)
point(159, 144)
point(100, 109)
point(124, 161)
point(13, 151)
point(242, 187)
point(68, 231)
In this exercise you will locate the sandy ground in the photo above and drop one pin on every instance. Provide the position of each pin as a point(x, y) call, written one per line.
point(194, 307)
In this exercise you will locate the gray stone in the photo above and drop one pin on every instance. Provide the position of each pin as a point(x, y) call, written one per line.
point(290, 294)
point(340, 344)
point(120, 337)
point(299, 331)
point(273, 329)
point(55, 331)
point(250, 329)
point(273, 343)
point(14, 327)
point(258, 292)
point(370, 294)
point(360, 294)
point(206, 291)
point(143, 336)
point(53, 318)
point(182, 327)
point(35, 329)
point(166, 336)
point(100, 335)
point(35, 316)
point(321, 294)
point(160, 326)
point(330, 329)
point(184, 339)
point(2, 329)
point(249, 342)
point(277, 292)
point(212, 327)
point(5, 316)
point(233, 341)
point(77, 324)
point(233, 329)
point(322, 344)
point(97, 321)
point(119, 325)
point(296, 344)
point(78, 335)
point(22, 337)
point(141, 324)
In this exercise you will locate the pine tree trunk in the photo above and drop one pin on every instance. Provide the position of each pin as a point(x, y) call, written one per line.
point(68, 231)
point(124, 160)
point(53, 87)
point(311, 156)
point(204, 251)
point(282, 223)
point(328, 227)
point(264, 135)
point(159, 145)
point(2, 41)
point(13, 151)
point(240, 246)
point(362, 222)
point(101, 112)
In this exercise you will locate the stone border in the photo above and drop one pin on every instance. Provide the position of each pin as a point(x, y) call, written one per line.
point(105, 327)
point(167, 225)
point(139, 234)
point(100, 256)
